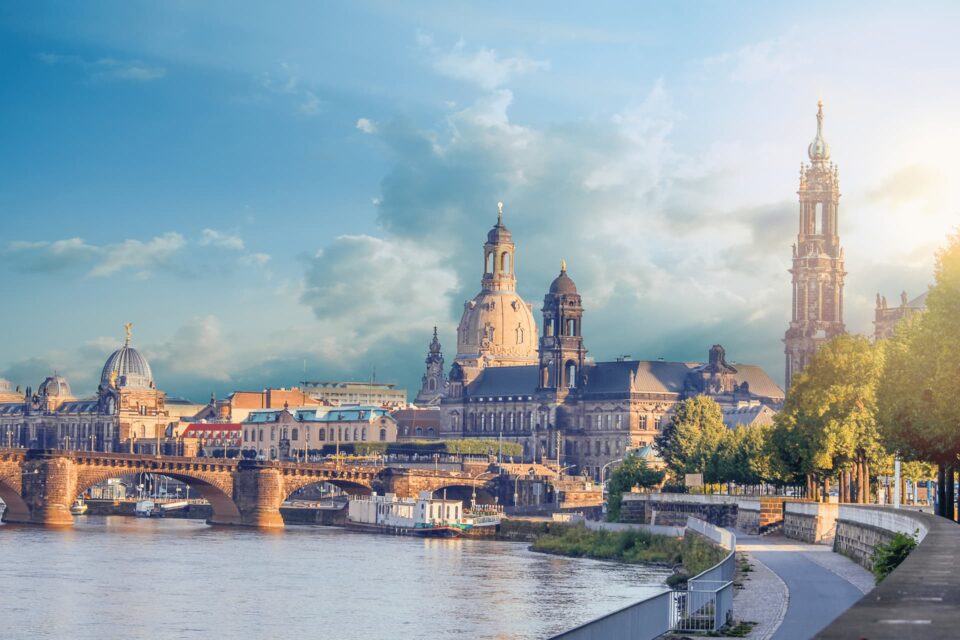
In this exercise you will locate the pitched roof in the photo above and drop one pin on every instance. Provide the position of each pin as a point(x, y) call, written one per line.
point(505, 381)
point(754, 414)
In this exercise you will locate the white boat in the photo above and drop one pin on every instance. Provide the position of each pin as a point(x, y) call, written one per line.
point(3, 507)
point(144, 509)
point(79, 507)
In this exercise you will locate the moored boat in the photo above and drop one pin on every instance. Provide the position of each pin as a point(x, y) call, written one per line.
point(79, 507)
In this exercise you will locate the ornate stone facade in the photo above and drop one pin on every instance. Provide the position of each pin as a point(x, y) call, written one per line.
point(497, 328)
point(885, 318)
point(817, 259)
point(557, 403)
point(434, 381)
point(128, 413)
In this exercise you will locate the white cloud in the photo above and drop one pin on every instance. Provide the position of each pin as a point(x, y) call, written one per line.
point(256, 259)
point(367, 126)
point(365, 290)
point(761, 61)
point(483, 67)
point(134, 257)
point(108, 68)
point(198, 349)
point(221, 239)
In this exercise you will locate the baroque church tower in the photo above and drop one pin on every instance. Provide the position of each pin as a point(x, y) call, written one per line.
point(817, 259)
point(562, 353)
point(433, 383)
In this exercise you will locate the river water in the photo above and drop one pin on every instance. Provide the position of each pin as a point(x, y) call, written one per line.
point(113, 577)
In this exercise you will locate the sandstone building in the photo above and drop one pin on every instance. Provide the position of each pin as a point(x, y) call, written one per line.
point(817, 259)
point(128, 412)
point(885, 318)
point(540, 389)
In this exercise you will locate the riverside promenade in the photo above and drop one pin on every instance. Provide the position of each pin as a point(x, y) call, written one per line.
point(795, 589)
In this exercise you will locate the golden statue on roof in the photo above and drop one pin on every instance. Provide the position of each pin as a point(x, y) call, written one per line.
point(129, 329)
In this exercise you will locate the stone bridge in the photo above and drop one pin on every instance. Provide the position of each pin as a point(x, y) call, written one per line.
point(39, 485)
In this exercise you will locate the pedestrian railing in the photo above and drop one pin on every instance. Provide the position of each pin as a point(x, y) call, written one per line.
point(706, 605)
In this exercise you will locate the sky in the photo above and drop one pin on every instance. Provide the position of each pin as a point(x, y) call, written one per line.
point(272, 193)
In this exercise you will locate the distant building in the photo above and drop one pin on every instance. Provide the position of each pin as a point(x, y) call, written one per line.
point(434, 382)
point(817, 270)
point(285, 433)
point(128, 412)
point(375, 394)
point(414, 423)
point(885, 318)
point(748, 415)
point(211, 436)
point(543, 392)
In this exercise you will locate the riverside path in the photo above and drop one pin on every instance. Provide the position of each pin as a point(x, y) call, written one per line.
point(817, 594)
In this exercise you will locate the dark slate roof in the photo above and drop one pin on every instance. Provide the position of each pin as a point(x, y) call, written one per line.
point(760, 383)
point(759, 414)
point(505, 381)
point(920, 302)
point(79, 406)
point(11, 409)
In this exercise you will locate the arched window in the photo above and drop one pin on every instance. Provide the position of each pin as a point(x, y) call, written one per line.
point(505, 262)
point(261, 436)
point(488, 263)
point(346, 434)
point(571, 375)
point(363, 434)
point(320, 434)
point(431, 384)
point(383, 435)
point(430, 432)
point(296, 434)
point(355, 433)
point(273, 433)
point(818, 218)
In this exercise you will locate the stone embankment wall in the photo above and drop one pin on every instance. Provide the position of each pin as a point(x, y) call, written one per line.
point(861, 529)
point(752, 515)
point(812, 522)
point(291, 515)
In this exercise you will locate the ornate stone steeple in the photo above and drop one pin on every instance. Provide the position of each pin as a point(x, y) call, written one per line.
point(498, 254)
point(433, 384)
point(818, 269)
point(562, 353)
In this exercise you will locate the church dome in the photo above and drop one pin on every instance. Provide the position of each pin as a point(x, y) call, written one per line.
point(563, 284)
point(498, 327)
point(126, 367)
point(55, 386)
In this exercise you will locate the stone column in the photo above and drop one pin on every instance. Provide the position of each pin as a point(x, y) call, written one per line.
point(49, 488)
point(258, 493)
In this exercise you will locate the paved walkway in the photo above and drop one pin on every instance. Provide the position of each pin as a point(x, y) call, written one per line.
point(821, 584)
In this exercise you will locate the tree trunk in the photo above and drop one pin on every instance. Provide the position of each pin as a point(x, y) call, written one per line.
point(844, 486)
point(826, 489)
point(941, 490)
point(866, 481)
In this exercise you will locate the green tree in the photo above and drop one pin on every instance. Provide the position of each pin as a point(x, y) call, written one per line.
point(745, 455)
point(632, 472)
point(919, 412)
point(829, 418)
point(691, 441)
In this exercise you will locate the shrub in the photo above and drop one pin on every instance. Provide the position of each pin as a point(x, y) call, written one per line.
point(888, 556)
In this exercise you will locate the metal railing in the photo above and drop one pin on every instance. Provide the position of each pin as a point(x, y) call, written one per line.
point(706, 605)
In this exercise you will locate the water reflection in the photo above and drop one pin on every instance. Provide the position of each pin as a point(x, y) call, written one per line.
point(180, 578)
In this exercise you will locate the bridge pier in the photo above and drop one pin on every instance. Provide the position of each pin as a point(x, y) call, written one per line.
point(49, 487)
point(258, 491)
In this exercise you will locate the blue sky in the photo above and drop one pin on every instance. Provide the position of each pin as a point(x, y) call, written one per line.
point(255, 188)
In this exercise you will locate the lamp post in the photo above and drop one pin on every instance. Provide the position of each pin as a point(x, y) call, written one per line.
point(604, 468)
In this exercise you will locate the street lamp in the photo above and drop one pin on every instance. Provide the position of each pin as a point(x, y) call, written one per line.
point(604, 468)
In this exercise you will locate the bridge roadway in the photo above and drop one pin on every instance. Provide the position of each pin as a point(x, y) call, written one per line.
point(40, 485)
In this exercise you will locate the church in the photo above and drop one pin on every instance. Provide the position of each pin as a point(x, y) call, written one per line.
point(539, 388)
point(128, 413)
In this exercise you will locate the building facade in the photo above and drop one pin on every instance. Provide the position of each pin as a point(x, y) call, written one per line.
point(434, 381)
point(885, 318)
point(296, 433)
point(817, 271)
point(128, 412)
point(560, 405)
point(346, 393)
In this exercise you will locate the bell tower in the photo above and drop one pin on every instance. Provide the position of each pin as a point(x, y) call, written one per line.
point(562, 353)
point(817, 259)
point(498, 254)
point(433, 384)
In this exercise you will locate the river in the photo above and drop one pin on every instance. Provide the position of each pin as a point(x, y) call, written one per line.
point(112, 577)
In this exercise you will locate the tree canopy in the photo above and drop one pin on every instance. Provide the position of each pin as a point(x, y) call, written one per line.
point(691, 441)
point(632, 472)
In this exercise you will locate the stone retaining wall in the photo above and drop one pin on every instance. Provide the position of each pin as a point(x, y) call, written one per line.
point(748, 516)
point(810, 522)
point(861, 529)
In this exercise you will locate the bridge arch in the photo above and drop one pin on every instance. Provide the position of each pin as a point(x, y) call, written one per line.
point(17, 509)
point(217, 491)
point(464, 491)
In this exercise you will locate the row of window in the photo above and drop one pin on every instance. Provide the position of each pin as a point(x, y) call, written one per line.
point(332, 434)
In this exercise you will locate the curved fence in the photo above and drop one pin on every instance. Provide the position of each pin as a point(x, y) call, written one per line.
point(705, 605)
